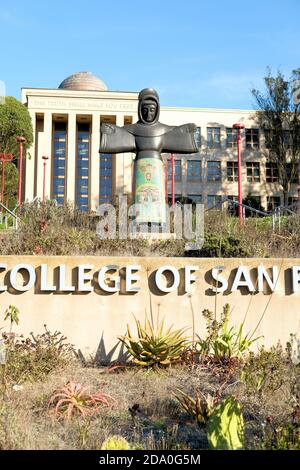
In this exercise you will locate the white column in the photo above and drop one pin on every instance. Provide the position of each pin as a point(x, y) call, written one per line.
point(71, 157)
point(30, 163)
point(45, 148)
point(119, 161)
point(95, 162)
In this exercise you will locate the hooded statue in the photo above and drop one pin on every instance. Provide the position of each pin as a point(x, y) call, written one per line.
point(148, 138)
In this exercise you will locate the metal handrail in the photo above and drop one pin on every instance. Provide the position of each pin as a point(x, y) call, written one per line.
point(11, 214)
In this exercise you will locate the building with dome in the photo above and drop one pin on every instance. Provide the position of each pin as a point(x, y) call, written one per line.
point(66, 122)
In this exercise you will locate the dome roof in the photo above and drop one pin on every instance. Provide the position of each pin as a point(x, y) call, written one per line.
point(83, 81)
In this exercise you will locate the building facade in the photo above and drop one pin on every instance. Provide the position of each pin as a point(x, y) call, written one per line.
point(66, 123)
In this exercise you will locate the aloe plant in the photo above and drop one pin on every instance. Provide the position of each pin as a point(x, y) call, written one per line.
point(74, 399)
point(154, 346)
point(200, 407)
point(225, 429)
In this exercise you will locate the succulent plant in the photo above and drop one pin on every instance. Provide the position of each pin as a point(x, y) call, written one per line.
point(154, 346)
point(74, 399)
point(200, 407)
point(225, 429)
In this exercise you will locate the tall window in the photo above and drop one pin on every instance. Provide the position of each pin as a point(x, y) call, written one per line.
point(198, 137)
point(194, 170)
point(273, 202)
point(289, 168)
point(59, 162)
point(83, 158)
point(177, 170)
point(213, 171)
point(232, 208)
point(213, 137)
point(252, 139)
point(231, 137)
point(287, 138)
point(232, 171)
point(253, 172)
point(214, 201)
point(105, 193)
point(268, 138)
point(272, 174)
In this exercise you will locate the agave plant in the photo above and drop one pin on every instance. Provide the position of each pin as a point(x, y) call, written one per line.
point(74, 399)
point(200, 407)
point(154, 346)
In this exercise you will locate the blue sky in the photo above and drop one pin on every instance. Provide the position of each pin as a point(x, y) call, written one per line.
point(195, 53)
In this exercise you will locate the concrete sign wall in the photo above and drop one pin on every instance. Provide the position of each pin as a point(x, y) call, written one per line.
point(91, 299)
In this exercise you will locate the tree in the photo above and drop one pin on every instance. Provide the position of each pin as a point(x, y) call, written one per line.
point(278, 116)
point(15, 121)
point(10, 185)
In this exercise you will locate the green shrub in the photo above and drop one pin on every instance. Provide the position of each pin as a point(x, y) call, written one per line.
point(265, 371)
point(285, 437)
point(115, 443)
point(33, 358)
point(225, 429)
point(226, 246)
point(154, 346)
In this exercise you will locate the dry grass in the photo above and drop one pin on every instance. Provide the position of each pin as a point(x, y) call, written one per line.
point(157, 423)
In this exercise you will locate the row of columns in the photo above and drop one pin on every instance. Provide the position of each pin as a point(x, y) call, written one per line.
point(44, 146)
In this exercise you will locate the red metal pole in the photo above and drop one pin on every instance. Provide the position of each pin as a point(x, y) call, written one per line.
point(2, 179)
point(238, 128)
point(21, 140)
point(173, 178)
point(44, 177)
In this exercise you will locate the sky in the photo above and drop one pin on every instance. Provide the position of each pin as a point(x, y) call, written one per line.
point(195, 53)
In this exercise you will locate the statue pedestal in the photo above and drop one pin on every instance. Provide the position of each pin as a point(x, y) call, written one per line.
point(153, 236)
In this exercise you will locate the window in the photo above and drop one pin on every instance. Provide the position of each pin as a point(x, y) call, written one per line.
point(253, 172)
point(105, 178)
point(177, 170)
point(177, 197)
point(231, 137)
point(293, 203)
point(295, 178)
point(194, 170)
point(268, 138)
point(195, 198)
point(59, 162)
point(214, 201)
point(272, 174)
point(232, 171)
point(213, 137)
point(252, 138)
point(232, 208)
point(213, 171)
point(272, 203)
point(198, 137)
point(83, 157)
point(272, 139)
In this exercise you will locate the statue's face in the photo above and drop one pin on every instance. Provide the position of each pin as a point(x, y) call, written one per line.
point(149, 109)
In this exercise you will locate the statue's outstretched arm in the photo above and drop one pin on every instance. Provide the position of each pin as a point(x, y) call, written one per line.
point(115, 139)
point(181, 139)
